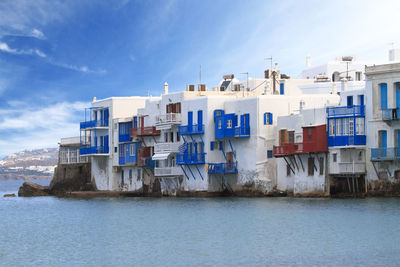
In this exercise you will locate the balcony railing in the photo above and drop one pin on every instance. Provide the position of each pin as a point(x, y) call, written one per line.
point(191, 129)
point(222, 168)
point(347, 111)
point(167, 147)
point(94, 123)
point(349, 168)
point(168, 171)
point(288, 149)
point(125, 138)
point(237, 132)
point(175, 118)
point(121, 160)
point(347, 140)
point(93, 150)
point(144, 131)
point(385, 154)
point(190, 159)
point(390, 114)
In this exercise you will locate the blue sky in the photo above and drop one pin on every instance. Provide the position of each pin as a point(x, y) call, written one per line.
point(55, 56)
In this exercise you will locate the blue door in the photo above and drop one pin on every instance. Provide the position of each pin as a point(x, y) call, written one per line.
point(383, 96)
point(200, 119)
point(105, 144)
point(383, 143)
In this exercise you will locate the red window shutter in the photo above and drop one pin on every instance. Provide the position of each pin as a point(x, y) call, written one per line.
point(173, 108)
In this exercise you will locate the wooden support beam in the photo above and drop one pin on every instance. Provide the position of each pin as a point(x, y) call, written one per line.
point(294, 159)
point(289, 165)
point(377, 174)
point(301, 163)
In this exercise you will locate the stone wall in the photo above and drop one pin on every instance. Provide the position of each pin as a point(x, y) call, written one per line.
point(72, 177)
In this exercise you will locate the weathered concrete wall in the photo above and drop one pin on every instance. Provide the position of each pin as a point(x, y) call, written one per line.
point(72, 177)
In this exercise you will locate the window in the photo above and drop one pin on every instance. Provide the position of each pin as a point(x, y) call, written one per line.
point(270, 154)
point(130, 175)
point(383, 91)
point(358, 76)
point(288, 170)
point(321, 166)
point(346, 126)
point(172, 137)
point(360, 126)
point(360, 155)
point(121, 150)
point(349, 100)
point(139, 174)
point(351, 126)
point(334, 157)
point(132, 150)
point(291, 137)
point(229, 124)
point(338, 127)
point(221, 146)
point(331, 127)
point(212, 145)
point(219, 124)
point(122, 177)
point(178, 137)
point(115, 149)
point(267, 118)
point(282, 88)
point(310, 166)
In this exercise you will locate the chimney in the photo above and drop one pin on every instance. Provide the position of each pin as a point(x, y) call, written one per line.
point(165, 88)
point(308, 61)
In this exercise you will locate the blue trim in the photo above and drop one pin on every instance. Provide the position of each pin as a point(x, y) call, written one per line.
point(222, 168)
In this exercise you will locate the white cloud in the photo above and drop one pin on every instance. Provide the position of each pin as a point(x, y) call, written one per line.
point(84, 69)
point(37, 34)
point(33, 127)
point(5, 48)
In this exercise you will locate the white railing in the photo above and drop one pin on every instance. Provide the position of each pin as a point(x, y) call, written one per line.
point(168, 171)
point(169, 118)
point(167, 147)
point(351, 167)
point(69, 141)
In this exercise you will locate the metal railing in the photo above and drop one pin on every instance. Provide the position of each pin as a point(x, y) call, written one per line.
point(188, 159)
point(169, 118)
point(125, 138)
point(385, 153)
point(168, 171)
point(390, 114)
point(191, 129)
point(220, 168)
point(166, 147)
point(355, 110)
point(93, 150)
point(93, 124)
point(144, 131)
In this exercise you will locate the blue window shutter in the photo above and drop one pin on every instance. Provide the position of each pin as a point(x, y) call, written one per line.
point(220, 145)
point(247, 118)
point(265, 118)
point(383, 95)
point(211, 145)
point(190, 118)
point(270, 118)
point(235, 121)
point(282, 88)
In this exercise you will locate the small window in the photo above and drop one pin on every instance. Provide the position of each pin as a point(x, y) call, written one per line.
point(132, 149)
point(229, 124)
point(334, 155)
point(349, 100)
point(321, 166)
point(288, 170)
point(358, 76)
point(310, 166)
point(221, 147)
point(212, 145)
point(360, 155)
point(130, 173)
point(219, 124)
point(331, 127)
point(270, 154)
point(115, 149)
point(267, 118)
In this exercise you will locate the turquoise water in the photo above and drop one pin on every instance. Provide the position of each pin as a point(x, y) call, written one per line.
point(48, 231)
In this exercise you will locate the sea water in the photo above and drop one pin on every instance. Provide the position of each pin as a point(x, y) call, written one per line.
point(50, 231)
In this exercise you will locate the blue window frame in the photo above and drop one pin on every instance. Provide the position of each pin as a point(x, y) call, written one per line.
point(270, 154)
point(268, 118)
point(349, 100)
point(212, 145)
point(282, 88)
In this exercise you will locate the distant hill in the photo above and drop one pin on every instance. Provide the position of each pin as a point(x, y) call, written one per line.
point(37, 164)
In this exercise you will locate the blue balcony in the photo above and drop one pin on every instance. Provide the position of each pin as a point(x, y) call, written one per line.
point(121, 160)
point(390, 114)
point(191, 129)
point(385, 154)
point(125, 138)
point(190, 159)
point(94, 123)
point(222, 168)
point(86, 150)
point(347, 111)
point(128, 153)
point(347, 140)
point(240, 132)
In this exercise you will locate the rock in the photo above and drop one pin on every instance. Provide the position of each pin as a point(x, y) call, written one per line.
point(29, 189)
point(9, 195)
